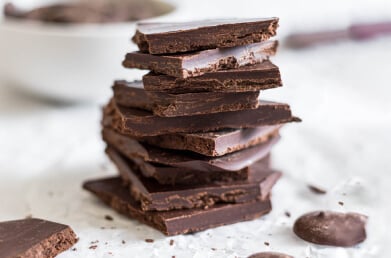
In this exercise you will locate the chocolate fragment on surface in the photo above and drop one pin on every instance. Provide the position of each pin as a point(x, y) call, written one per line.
point(34, 238)
point(331, 228)
point(197, 63)
point(257, 77)
point(316, 190)
point(269, 255)
point(113, 193)
point(154, 196)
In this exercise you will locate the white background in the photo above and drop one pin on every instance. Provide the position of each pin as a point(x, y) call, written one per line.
point(342, 93)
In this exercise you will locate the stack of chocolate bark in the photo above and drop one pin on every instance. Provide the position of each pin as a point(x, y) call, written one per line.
point(191, 140)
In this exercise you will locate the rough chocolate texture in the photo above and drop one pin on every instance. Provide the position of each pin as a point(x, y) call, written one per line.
point(232, 162)
point(140, 123)
point(113, 193)
point(247, 78)
point(197, 63)
point(34, 238)
point(331, 228)
point(129, 94)
point(269, 255)
point(154, 196)
point(162, 38)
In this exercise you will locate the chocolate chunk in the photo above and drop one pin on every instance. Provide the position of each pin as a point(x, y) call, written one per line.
point(331, 228)
point(148, 240)
point(161, 38)
point(270, 255)
point(140, 123)
point(131, 148)
point(129, 94)
point(316, 189)
point(197, 63)
point(113, 193)
point(91, 11)
point(247, 78)
point(154, 196)
point(34, 238)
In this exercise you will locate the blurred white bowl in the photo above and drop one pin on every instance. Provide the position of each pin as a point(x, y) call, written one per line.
point(65, 62)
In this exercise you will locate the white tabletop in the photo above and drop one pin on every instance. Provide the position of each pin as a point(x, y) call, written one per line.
point(342, 93)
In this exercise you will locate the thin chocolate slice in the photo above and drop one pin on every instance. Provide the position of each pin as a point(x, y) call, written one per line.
point(232, 162)
point(140, 123)
point(331, 228)
point(34, 238)
point(270, 255)
point(197, 63)
point(131, 94)
point(154, 196)
point(115, 194)
point(213, 144)
point(257, 77)
point(162, 38)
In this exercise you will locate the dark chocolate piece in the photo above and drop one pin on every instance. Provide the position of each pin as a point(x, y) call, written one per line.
point(129, 94)
point(113, 193)
point(316, 190)
point(140, 123)
point(232, 162)
point(34, 238)
point(197, 63)
point(331, 228)
point(216, 143)
point(247, 78)
point(269, 255)
point(154, 196)
point(161, 38)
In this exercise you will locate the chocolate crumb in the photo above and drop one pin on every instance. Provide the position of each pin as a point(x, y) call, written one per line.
point(172, 242)
point(123, 242)
point(74, 249)
point(316, 189)
point(108, 217)
point(213, 249)
point(148, 240)
point(173, 256)
point(288, 214)
point(340, 203)
point(93, 247)
point(94, 242)
point(267, 243)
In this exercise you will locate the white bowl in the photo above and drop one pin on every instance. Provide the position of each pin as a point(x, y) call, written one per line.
point(65, 62)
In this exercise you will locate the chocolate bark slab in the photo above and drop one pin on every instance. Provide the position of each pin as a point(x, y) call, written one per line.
point(154, 196)
point(130, 94)
point(213, 144)
point(131, 148)
point(140, 123)
point(197, 63)
point(115, 194)
point(257, 77)
point(161, 38)
point(34, 238)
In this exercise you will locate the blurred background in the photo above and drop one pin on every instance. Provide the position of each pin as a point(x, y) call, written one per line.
point(56, 75)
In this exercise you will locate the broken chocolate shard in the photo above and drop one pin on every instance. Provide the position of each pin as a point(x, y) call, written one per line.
point(131, 94)
point(113, 193)
point(154, 196)
point(140, 123)
point(257, 77)
point(131, 148)
point(162, 38)
point(197, 63)
point(331, 228)
point(34, 238)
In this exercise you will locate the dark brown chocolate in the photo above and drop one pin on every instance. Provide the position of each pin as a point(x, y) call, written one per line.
point(269, 255)
point(113, 193)
point(140, 123)
point(162, 38)
point(154, 196)
point(331, 228)
point(213, 144)
point(197, 63)
point(129, 94)
point(247, 78)
point(232, 162)
point(34, 238)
